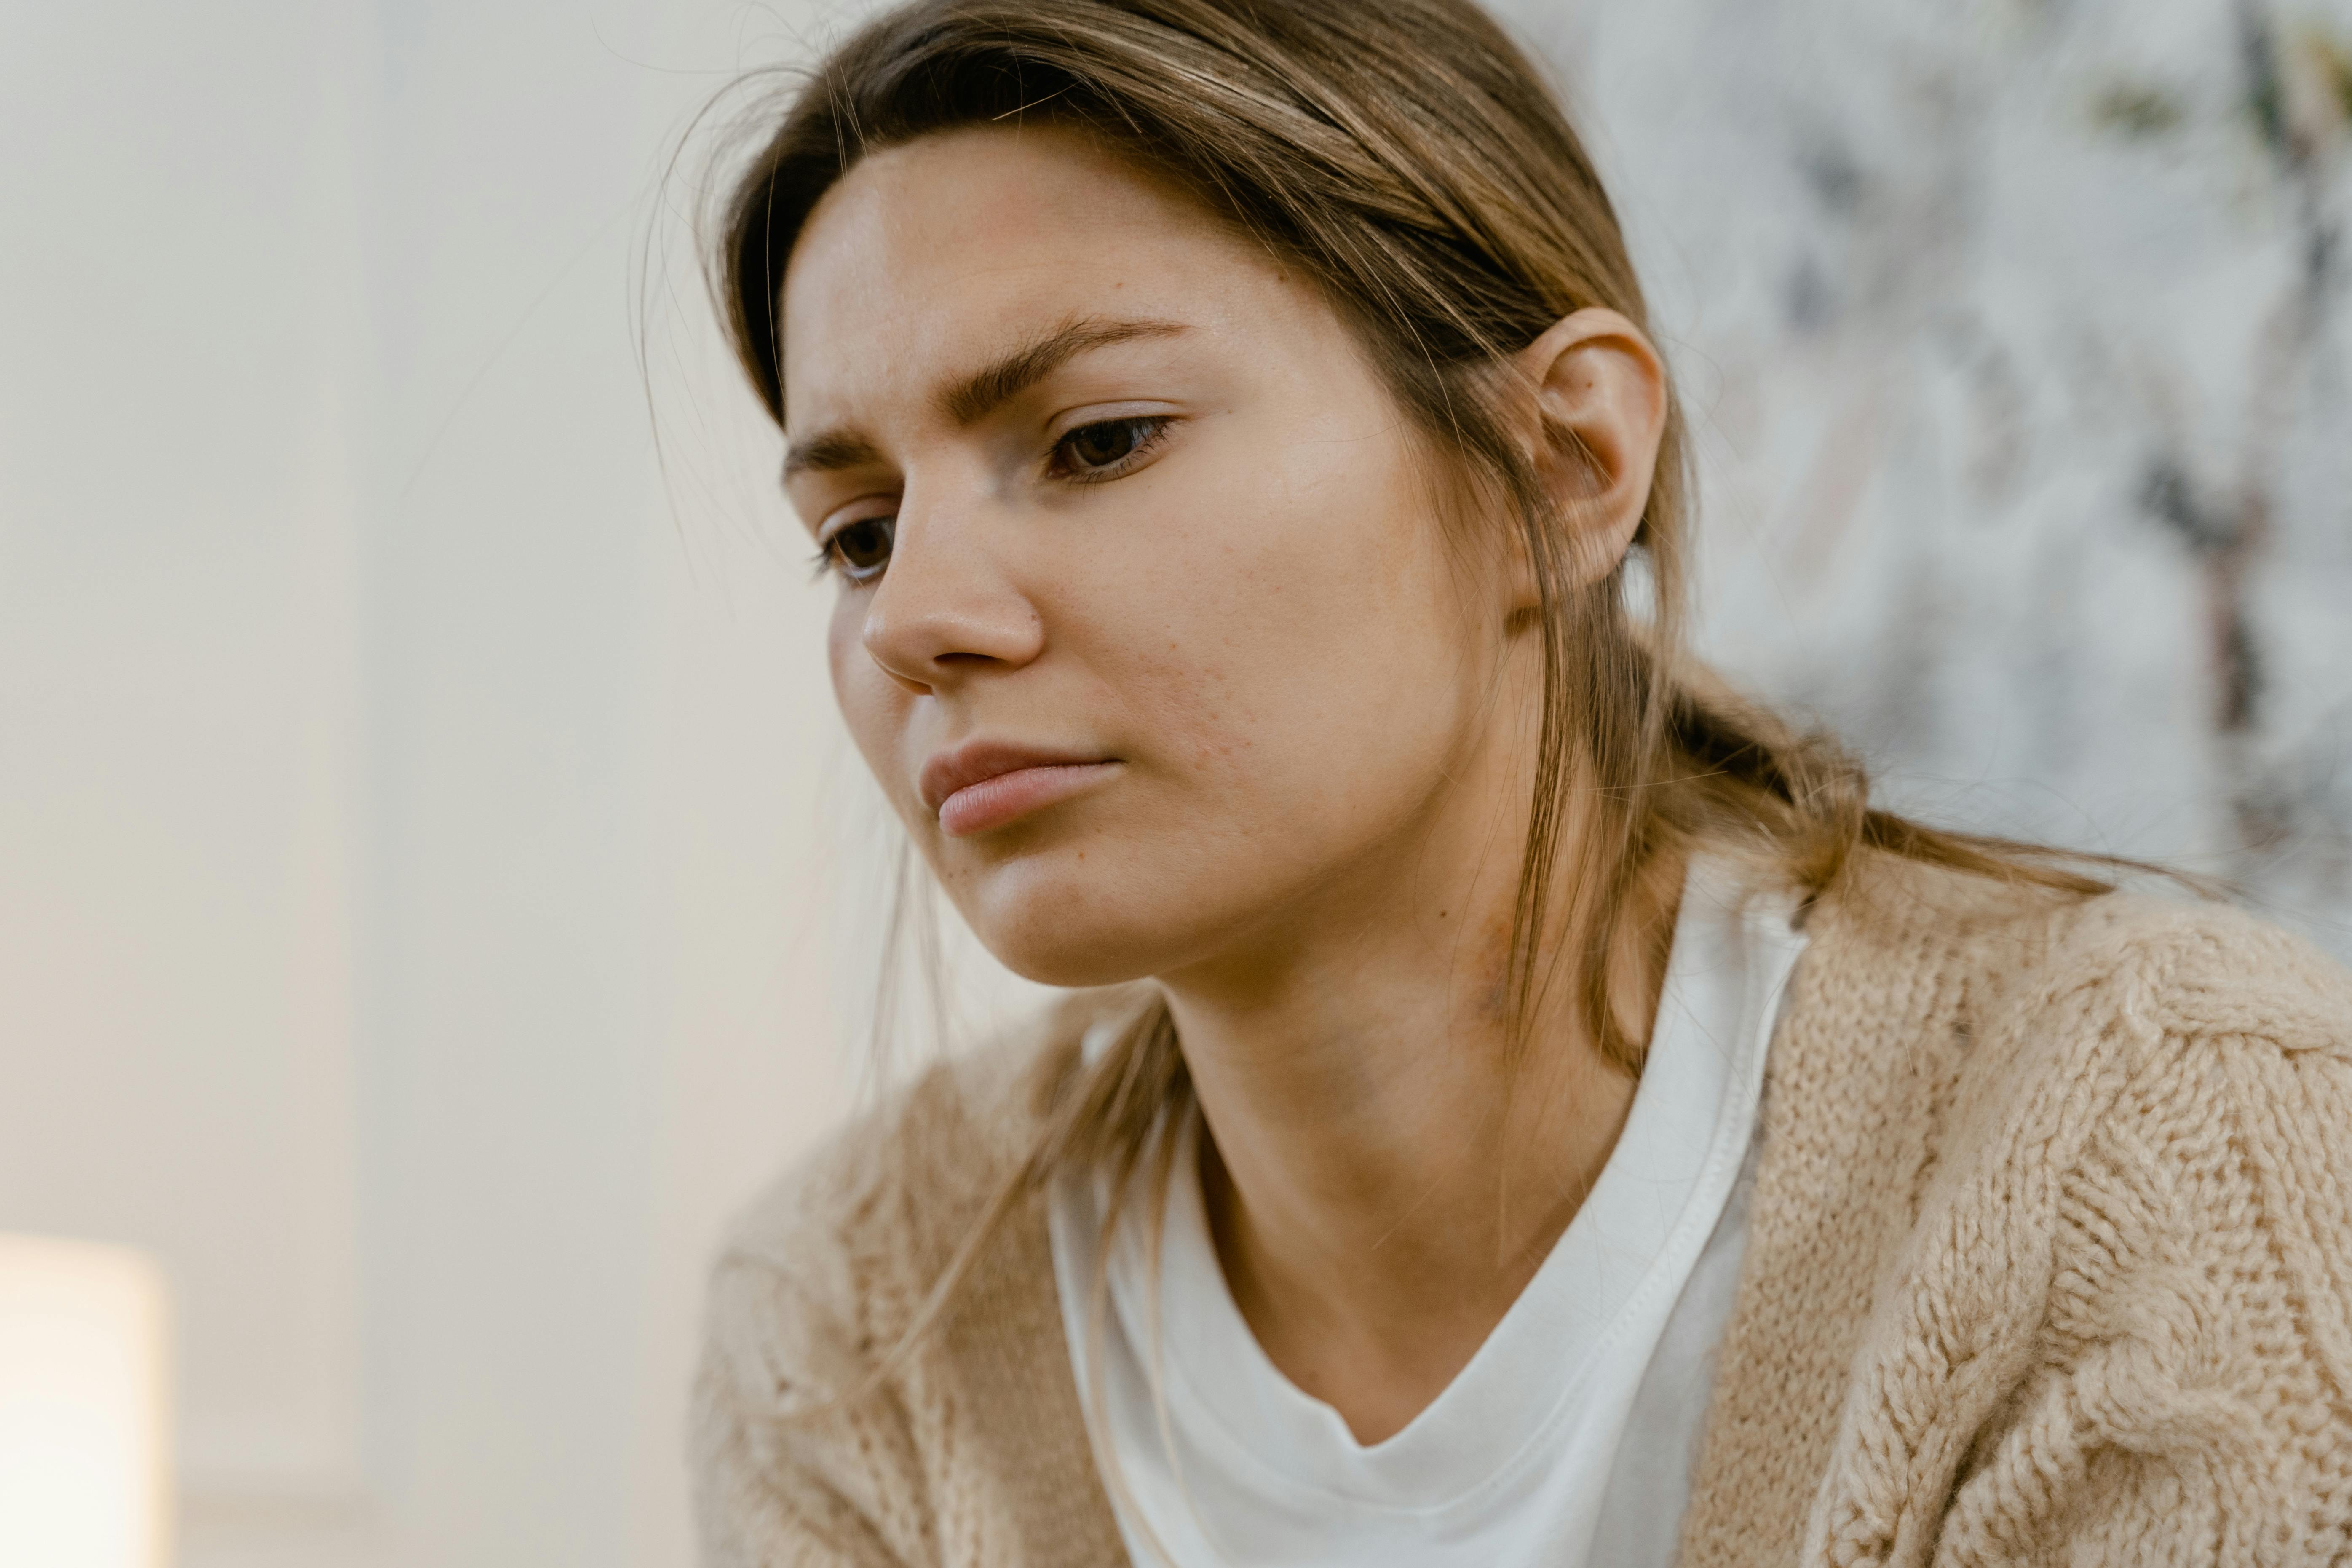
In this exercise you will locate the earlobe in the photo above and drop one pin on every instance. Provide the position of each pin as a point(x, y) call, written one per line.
point(1594, 417)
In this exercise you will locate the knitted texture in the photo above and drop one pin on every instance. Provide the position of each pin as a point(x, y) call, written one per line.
point(974, 1451)
point(2050, 1260)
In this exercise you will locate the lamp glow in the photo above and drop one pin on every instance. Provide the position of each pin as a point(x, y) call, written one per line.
point(84, 1451)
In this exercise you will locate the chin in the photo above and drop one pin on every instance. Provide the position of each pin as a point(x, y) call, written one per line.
point(1053, 919)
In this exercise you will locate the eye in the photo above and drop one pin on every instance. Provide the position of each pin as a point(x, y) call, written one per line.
point(860, 550)
point(1102, 450)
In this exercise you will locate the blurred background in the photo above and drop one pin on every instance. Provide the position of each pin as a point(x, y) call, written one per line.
point(434, 889)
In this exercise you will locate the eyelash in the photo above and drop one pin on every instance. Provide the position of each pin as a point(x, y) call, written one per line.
point(1153, 431)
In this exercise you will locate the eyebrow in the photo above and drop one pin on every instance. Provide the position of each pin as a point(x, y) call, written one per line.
point(976, 396)
point(972, 398)
point(828, 452)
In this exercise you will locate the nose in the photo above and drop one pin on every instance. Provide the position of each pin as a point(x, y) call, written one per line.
point(944, 609)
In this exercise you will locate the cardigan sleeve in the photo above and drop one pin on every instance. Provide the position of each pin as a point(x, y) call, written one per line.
point(2128, 1339)
point(2189, 1401)
point(781, 1481)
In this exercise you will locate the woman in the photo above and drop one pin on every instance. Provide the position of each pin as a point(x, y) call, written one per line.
point(1518, 1104)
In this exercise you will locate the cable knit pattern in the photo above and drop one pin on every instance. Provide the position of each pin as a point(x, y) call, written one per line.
point(2050, 1260)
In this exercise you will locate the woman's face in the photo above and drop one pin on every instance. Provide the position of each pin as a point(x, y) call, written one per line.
point(1146, 621)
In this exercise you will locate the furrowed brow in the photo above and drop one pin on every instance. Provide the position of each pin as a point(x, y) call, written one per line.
point(970, 399)
point(973, 398)
point(829, 450)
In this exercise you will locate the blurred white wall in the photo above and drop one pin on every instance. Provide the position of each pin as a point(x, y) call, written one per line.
point(433, 886)
point(180, 456)
point(413, 922)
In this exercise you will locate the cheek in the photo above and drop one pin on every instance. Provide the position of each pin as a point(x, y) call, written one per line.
point(873, 706)
point(1310, 654)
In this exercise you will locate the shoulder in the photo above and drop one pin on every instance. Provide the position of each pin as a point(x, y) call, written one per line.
point(2186, 1053)
point(2204, 970)
point(835, 1419)
point(2071, 1029)
point(2138, 967)
point(2036, 1038)
point(863, 1223)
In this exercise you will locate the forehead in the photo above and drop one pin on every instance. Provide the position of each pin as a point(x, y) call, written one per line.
point(928, 256)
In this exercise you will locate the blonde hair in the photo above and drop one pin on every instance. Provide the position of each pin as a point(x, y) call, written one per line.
point(1413, 162)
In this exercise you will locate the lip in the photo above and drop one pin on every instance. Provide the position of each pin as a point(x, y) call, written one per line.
point(983, 784)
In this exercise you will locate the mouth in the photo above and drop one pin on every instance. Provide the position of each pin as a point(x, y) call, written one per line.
point(982, 785)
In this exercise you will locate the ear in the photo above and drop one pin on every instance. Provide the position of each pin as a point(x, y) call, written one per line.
point(1590, 401)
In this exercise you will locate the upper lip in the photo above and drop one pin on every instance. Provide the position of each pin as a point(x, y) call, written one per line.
point(978, 761)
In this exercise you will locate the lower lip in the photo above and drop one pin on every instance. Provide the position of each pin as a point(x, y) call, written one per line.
point(992, 802)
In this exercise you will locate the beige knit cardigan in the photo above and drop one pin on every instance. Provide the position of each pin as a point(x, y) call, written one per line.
point(2050, 1262)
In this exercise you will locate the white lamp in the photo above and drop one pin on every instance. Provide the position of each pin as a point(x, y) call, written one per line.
point(84, 1445)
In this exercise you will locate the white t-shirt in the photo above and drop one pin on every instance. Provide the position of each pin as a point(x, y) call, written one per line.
point(1568, 1439)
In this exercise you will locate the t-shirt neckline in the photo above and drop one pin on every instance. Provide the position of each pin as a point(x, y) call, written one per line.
point(1652, 1207)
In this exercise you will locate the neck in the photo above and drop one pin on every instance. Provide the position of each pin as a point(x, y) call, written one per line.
point(1385, 1167)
